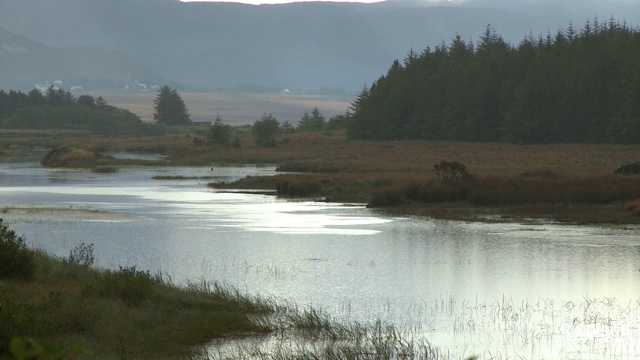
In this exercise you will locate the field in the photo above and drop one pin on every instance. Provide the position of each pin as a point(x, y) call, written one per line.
point(236, 109)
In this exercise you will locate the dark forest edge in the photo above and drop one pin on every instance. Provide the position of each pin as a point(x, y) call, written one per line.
point(59, 109)
point(574, 86)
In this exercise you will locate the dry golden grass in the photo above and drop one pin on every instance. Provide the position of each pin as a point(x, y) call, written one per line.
point(415, 159)
point(79, 154)
point(237, 109)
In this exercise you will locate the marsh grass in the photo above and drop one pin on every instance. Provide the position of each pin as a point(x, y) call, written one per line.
point(493, 191)
point(501, 328)
point(592, 190)
point(566, 178)
point(129, 314)
point(311, 334)
point(126, 313)
point(298, 188)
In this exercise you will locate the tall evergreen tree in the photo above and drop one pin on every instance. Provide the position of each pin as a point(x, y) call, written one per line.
point(219, 132)
point(313, 121)
point(36, 98)
point(169, 108)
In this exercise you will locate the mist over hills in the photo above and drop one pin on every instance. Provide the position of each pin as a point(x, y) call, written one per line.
point(26, 64)
point(300, 46)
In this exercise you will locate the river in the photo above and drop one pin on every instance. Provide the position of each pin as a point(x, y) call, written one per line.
point(534, 290)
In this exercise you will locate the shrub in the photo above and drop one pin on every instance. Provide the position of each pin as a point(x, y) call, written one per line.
point(628, 169)
point(199, 141)
point(16, 261)
point(81, 255)
point(127, 284)
point(452, 172)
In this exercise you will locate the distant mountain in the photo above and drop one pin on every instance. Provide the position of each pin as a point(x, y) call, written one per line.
point(26, 64)
point(299, 46)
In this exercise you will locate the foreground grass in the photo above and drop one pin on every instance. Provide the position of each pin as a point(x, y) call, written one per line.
point(125, 314)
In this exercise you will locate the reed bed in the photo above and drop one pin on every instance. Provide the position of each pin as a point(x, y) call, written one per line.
point(493, 191)
point(458, 329)
point(124, 314)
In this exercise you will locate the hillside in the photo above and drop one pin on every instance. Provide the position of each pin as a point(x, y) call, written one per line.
point(25, 63)
point(302, 46)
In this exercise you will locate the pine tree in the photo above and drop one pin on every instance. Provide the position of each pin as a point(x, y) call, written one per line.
point(219, 132)
point(170, 108)
point(313, 121)
point(265, 130)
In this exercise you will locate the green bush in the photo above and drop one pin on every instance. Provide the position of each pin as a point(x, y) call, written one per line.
point(16, 261)
point(450, 172)
point(127, 284)
point(629, 169)
point(81, 255)
point(22, 318)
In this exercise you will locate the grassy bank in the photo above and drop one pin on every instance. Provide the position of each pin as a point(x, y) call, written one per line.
point(123, 314)
point(55, 308)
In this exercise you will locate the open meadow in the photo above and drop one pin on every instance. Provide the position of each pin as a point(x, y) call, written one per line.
point(237, 109)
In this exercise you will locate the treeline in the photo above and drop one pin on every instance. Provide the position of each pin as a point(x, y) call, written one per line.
point(59, 109)
point(574, 86)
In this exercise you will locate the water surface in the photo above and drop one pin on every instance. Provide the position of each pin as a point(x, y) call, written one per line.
point(469, 287)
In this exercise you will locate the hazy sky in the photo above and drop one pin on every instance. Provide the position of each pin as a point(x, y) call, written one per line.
point(258, 2)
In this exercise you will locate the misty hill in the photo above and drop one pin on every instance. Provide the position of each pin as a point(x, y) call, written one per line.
point(300, 46)
point(25, 64)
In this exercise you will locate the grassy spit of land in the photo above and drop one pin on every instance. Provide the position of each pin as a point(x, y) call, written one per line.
point(566, 182)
